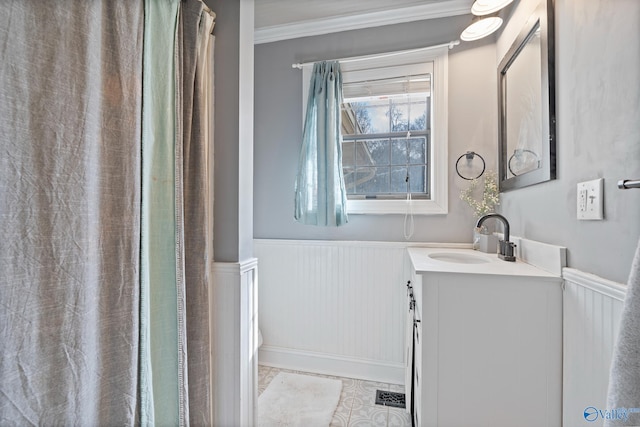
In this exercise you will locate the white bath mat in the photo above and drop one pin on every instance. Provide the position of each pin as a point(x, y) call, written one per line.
point(298, 400)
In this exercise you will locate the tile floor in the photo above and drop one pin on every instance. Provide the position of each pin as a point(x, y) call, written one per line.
point(357, 406)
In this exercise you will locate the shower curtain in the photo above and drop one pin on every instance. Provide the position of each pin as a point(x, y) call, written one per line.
point(105, 212)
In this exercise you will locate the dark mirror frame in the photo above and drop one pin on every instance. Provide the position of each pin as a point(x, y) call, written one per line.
point(547, 170)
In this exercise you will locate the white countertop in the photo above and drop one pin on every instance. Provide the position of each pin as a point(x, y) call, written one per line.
point(422, 263)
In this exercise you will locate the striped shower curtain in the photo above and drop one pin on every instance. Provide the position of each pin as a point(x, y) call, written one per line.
point(105, 212)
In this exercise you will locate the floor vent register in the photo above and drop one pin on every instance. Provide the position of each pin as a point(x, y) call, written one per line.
point(390, 398)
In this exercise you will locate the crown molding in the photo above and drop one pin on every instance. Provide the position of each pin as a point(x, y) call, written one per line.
point(365, 20)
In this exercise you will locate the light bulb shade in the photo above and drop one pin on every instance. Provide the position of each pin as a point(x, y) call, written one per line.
point(487, 7)
point(481, 27)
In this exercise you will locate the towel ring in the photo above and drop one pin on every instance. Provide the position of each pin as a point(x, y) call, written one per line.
point(469, 155)
point(518, 152)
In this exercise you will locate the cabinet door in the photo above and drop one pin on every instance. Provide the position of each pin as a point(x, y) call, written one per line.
point(492, 345)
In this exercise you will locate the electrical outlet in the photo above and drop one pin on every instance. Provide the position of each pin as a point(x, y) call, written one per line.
point(590, 200)
point(583, 194)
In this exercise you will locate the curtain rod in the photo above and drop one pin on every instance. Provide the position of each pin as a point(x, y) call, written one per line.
point(450, 45)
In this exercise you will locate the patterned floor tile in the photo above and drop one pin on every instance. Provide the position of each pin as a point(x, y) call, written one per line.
point(357, 401)
point(349, 384)
point(369, 416)
point(344, 395)
point(399, 418)
point(263, 371)
point(265, 375)
point(366, 391)
point(341, 415)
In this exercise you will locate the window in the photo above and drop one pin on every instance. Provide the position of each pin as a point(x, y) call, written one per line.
point(394, 131)
point(385, 137)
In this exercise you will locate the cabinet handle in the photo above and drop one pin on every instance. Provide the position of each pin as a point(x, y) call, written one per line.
point(409, 288)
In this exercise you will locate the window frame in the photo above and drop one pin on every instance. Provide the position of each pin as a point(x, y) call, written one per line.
point(438, 172)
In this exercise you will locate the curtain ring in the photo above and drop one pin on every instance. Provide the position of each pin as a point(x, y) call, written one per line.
point(469, 155)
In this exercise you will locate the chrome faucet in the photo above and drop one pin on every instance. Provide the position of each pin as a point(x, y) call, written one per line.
point(506, 247)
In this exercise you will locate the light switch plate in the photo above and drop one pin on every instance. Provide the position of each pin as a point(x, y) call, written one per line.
point(590, 200)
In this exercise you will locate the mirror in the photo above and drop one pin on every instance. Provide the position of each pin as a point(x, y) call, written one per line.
point(526, 93)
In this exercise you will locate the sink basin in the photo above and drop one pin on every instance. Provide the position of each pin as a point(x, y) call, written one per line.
point(458, 258)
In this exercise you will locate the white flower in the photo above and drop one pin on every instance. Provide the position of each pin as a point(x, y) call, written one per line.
point(490, 195)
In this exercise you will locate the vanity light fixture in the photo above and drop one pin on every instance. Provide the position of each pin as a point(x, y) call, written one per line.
point(486, 7)
point(481, 26)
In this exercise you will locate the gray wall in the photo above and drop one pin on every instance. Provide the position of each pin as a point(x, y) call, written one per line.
point(233, 130)
point(598, 134)
point(598, 131)
point(278, 127)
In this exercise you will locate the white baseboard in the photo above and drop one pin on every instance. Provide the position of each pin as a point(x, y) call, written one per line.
point(328, 364)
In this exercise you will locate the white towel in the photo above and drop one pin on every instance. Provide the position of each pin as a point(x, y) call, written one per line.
point(624, 380)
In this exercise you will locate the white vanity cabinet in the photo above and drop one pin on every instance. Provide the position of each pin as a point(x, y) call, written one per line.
point(487, 343)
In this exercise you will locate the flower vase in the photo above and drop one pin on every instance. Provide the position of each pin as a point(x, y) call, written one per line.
point(485, 242)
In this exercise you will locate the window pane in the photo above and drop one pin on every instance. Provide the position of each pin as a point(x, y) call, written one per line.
point(372, 180)
point(417, 150)
point(398, 179)
point(386, 114)
point(418, 114)
point(379, 117)
point(348, 153)
point(417, 182)
point(362, 156)
point(399, 151)
point(365, 117)
point(378, 150)
point(399, 115)
point(349, 179)
point(418, 179)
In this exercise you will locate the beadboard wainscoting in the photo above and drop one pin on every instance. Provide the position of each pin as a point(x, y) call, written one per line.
point(591, 318)
point(234, 342)
point(334, 307)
